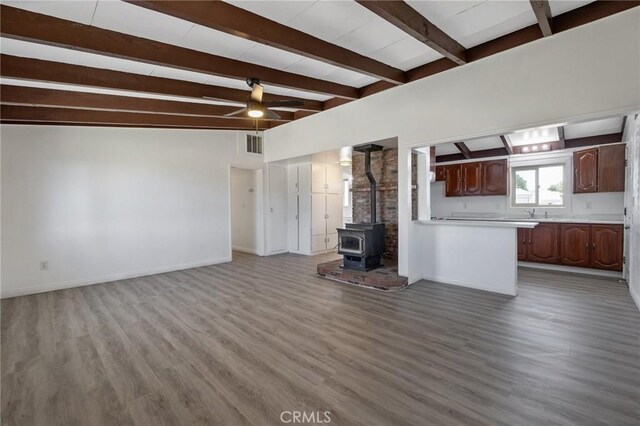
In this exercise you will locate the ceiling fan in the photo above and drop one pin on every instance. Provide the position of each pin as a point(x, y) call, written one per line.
point(256, 108)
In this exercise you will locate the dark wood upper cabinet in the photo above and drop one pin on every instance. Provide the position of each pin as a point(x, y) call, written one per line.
point(471, 178)
point(611, 168)
point(575, 245)
point(599, 169)
point(606, 247)
point(440, 175)
point(453, 176)
point(585, 171)
point(523, 235)
point(543, 243)
point(494, 177)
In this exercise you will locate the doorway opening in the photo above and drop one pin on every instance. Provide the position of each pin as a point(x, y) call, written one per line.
point(245, 210)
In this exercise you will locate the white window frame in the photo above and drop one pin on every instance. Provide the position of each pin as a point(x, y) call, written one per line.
point(537, 168)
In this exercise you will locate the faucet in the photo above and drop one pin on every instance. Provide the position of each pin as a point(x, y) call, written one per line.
point(532, 213)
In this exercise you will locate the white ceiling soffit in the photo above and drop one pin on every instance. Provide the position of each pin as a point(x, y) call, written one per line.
point(446, 149)
point(593, 128)
point(489, 142)
point(530, 136)
point(69, 56)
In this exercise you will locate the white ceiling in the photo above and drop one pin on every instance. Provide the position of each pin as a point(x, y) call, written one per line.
point(344, 23)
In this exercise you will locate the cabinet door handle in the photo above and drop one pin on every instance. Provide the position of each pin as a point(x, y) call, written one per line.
point(593, 246)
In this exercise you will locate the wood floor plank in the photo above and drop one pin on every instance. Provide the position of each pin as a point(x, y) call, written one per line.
point(238, 343)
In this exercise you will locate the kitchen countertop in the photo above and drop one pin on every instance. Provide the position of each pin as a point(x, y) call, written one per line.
point(596, 219)
point(483, 222)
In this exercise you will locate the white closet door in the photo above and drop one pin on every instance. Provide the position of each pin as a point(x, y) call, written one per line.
point(277, 208)
point(332, 241)
point(304, 178)
point(294, 222)
point(318, 177)
point(293, 178)
point(318, 213)
point(334, 179)
point(334, 211)
point(318, 243)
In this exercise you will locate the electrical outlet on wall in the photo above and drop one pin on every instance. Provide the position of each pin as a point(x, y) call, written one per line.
point(44, 265)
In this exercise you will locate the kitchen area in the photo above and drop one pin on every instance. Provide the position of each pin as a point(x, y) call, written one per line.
point(557, 193)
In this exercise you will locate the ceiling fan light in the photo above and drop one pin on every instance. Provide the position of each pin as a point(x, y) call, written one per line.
point(255, 113)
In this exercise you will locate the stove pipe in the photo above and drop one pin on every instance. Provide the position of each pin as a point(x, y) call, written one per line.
point(367, 150)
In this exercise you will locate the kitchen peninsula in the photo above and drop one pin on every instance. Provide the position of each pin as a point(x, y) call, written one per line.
point(451, 253)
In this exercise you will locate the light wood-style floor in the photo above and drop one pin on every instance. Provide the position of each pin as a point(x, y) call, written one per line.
point(239, 343)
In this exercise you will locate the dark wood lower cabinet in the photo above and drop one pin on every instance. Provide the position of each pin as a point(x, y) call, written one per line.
point(606, 247)
point(573, 244)
point(523, 234)
point(542, 245)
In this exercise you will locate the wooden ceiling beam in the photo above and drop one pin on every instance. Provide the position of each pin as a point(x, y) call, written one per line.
point(464, 149)
point(35, 96)
point(543, 14)
point(507, 144)
point(25, 25)
point(138, 126)
point(57, 72)
point(236, 21)
point(16, 113)
point(593, 140)
point(566, 21)
point(413, 23)
point(561, 136)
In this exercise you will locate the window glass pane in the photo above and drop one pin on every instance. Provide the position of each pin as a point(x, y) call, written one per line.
point(525, 181)
point(551, 181)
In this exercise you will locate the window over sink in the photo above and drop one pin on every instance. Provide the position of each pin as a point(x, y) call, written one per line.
point(538, 186)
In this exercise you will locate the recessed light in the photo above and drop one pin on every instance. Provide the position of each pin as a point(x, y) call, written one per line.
point(534, 148)
point(545, 147)
point(525, 149)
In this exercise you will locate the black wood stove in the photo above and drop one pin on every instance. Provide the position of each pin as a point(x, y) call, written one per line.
point(362, 244)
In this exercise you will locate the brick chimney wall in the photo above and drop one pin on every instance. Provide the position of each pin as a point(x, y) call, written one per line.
point(384, 166)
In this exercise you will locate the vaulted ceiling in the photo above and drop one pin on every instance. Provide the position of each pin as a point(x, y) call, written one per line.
point(184, 63)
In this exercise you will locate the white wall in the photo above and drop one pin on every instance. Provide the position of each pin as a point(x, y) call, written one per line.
point(244, 210)
point(585, 73)
point(101, 204)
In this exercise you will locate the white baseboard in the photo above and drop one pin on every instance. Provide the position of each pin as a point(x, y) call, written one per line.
point(246, 250)
point(635, 296)
point(572, 269)
point(107, 278)
point(475, 286)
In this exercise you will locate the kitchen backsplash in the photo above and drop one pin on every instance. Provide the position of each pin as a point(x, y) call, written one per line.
point(607, 203)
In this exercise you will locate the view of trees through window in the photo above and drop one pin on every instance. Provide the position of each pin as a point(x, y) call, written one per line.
point(538, 186)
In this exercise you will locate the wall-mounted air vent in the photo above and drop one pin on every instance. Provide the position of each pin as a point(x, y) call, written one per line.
point(254, 144)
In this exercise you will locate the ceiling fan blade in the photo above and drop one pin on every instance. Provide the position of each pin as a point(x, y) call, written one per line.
point(240, 111)
point(271, 115)
point(256, 93)
point(284, 103)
